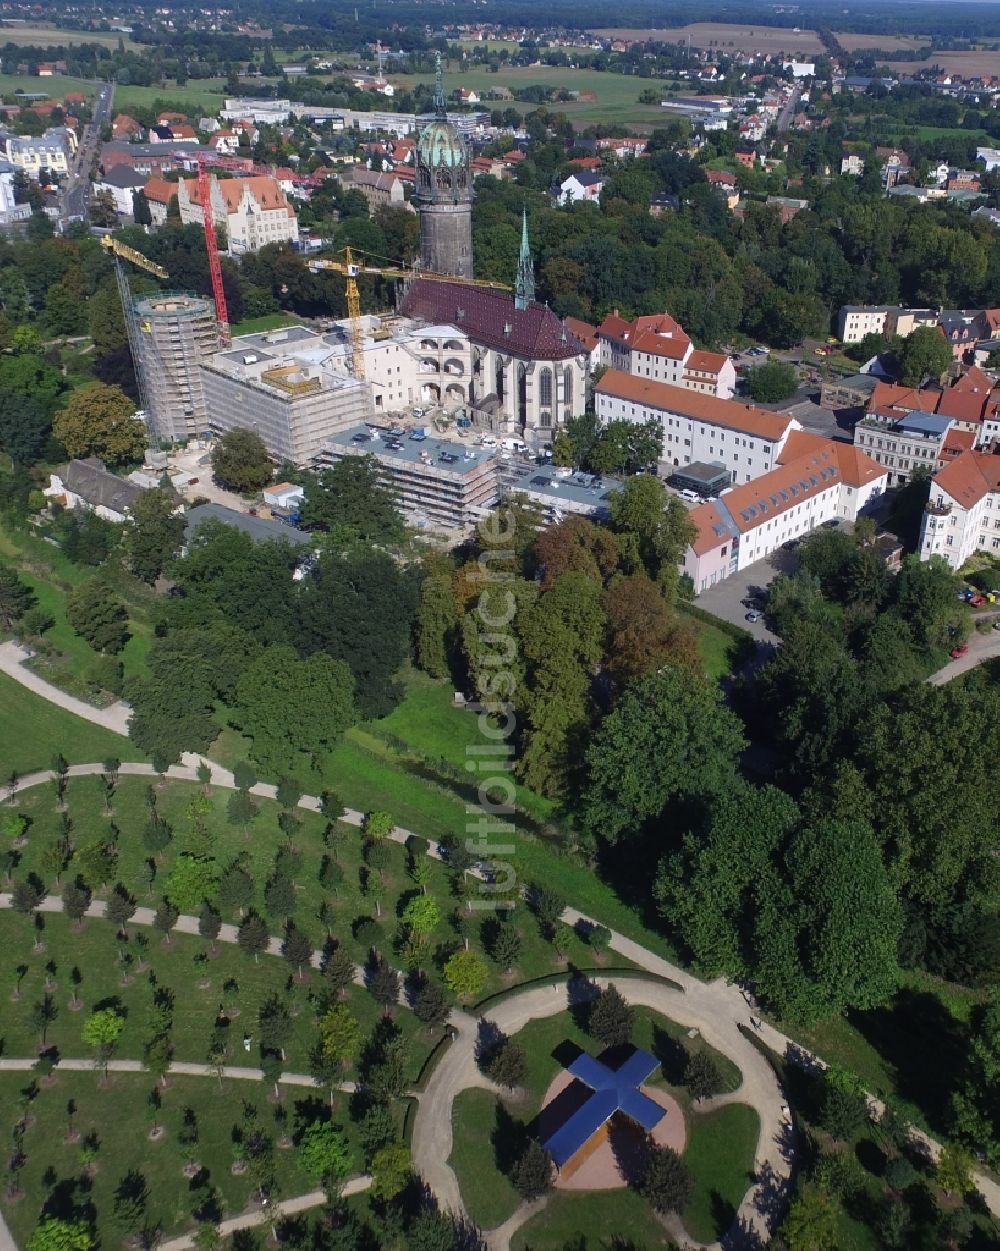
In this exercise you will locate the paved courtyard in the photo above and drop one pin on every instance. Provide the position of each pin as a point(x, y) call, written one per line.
point(725, 599)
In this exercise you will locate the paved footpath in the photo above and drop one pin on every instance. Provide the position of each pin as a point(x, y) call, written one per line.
point(717, 1009)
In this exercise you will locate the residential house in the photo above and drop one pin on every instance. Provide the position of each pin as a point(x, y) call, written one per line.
point(695, 427)
point(903, 443)
point(815, 480)
point(658, 348)
point(159, 192)
point(854, 321)
point(724, 183)
point(226, 142)
point(852, 163)
point(90, 486)
point(378, 188)
point(53, 151)
point(895, 165)
point(125, 128)
point(577, 187)
point(120, 183)
point(747, 157)
point(962, 515)
point(254, 211)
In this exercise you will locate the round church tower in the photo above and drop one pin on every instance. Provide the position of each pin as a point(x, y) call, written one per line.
point(444, 194)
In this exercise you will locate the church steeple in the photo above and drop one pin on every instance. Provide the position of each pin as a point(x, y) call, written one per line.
point(440, 104)
point(524, 286)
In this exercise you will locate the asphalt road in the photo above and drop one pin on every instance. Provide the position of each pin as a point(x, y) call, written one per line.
point(76, 194)
point(788, 112)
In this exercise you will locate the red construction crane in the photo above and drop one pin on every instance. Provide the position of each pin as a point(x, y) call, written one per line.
point(212, 248)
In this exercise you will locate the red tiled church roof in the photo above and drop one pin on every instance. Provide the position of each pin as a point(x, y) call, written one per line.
point(490, 318)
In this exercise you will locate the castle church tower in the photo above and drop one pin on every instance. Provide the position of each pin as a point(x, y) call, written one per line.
point(444, 193)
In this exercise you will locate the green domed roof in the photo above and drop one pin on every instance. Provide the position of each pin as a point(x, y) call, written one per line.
point(441, 144)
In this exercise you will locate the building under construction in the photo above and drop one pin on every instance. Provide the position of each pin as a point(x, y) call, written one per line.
point(176, 333)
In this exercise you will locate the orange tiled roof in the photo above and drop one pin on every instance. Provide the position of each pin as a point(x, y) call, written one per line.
point(956, 442)
point(969, 477)
point(705, 362)
point(263, 188)
point(159, 190)
point(728, 413)
point(584, 331)
point(910, 399)
point(713, 528)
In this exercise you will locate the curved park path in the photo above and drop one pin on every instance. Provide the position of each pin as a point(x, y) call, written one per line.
point(458, 1071)
point(719, 1010)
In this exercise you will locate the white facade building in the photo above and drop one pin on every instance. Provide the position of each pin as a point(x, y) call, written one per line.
point(52, 151)
point(253, 210)
point(657, 348)
point(698, 428)
point(963, 513)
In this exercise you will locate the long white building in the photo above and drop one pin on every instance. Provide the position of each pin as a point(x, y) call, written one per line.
point(697, 428)
point(254, 211)
point(816, 480)
point(658, 348)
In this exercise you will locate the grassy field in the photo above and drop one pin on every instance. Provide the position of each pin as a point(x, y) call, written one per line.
point(56, 86)
point(124, 1144)
point(617, 94)
point(487, 1131)
point(726, 35)
point(199, 95)
point(32, 731)
point(37, 36)
point(852, 42)
point(605, 1216)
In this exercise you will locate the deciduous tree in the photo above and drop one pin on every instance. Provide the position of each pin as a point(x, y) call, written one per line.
point(98, 420)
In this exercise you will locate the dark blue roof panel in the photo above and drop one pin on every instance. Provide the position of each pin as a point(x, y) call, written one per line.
point(615, 1090)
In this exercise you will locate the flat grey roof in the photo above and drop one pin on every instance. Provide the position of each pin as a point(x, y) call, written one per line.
point(581, 488)
point(376, 441)
point(701, 471)
point(260, 529)
point(858, 382)
point(267, 340)
point(924, 423)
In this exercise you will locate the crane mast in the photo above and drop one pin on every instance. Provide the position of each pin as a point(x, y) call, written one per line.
point(212, 248)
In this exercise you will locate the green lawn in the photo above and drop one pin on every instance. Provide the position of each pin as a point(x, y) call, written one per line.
point(487, 1130)
point(53, 1169)
point(271, 321)
point(603, 1217)
point(54, 36)
point(32, 731)
point(197, 95)
point(720, 1155)
point(617, 94)
point(56, 86)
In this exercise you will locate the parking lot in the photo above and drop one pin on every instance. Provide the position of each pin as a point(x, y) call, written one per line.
point(725, 599)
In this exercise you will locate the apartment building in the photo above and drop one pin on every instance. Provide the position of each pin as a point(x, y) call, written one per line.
point(816, 480)
point(52, 151)
point(902, 443)
point(254, 210)
point(658, 348)
point(857, 320)
point(963, 512)
point(745, 439)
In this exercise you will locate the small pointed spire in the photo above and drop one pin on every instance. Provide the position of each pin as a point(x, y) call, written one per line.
point(524, 286)
point(440, 104)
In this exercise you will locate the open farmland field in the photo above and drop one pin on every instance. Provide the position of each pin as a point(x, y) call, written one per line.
point(851, 42)
point(617, 94)
point(968, 64)
point(54, 36)
point(728, 36)
point(56, 86)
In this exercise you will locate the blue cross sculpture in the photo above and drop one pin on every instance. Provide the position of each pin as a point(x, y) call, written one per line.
point(614, 1090)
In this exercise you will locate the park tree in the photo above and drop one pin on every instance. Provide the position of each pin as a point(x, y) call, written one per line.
point(665, 1181)
point(702, 1076)
point(101, 1032)
point(422, 914)
point(811, 1223)
point(324, 1153)
point(354, 501)
point(644, 634)
point(383, 983)
point(340, 1035)
point(252, 936)
point(390, 1170)
point(97, 614)
point(76, 898)
point(431, 1231)
point(296, 948)
point(653, 527)
point(16, 598)
point(338, 970)
point(288, 706)
point(99, 420)
point(533, 1173)
point(772, 382)
point(154, 534)
point(437, 619)
point(240, 461)
point(120, 908)
point(508, 1066)
point(923, 354)
point(576, 545)
point(976, 1101)
point(669, 738)
point(209, 923)
point(429, 1003)
point(466, 974)
point(610, 1019)
point(504, 944)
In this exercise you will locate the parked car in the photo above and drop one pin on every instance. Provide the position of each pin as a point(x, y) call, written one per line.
point(977, 601)
point(832, 524)
point(753, 615)
point(960, 650)
point(996, 625)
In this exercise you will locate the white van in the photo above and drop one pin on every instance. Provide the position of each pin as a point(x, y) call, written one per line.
point(489, 441)
point(514, 445)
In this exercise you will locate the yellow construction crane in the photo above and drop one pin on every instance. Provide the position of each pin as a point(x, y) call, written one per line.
point(351, 268)
point(122, 250)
